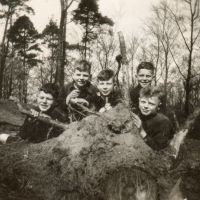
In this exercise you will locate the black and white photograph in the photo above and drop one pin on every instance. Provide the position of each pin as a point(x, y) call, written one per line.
point(99, 99)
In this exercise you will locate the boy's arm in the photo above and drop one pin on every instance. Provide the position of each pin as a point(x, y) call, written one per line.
point(29, 125)
point(93, 100)
point(25, 128)
point(66, 93)
point(72, 95)
point(161, 138)
point(59, 114)
point(118, 97)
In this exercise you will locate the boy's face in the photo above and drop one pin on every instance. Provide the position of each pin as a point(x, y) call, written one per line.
point(149, 105)
point(105, 87)
point(144, 77)
point(81, 78)
point(45, 101)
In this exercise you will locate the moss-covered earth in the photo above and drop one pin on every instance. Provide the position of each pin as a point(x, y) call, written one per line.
point(101, 157)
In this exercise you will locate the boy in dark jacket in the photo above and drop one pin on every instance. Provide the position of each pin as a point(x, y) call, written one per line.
point(145, 74)
point(35, 130)
point(155, 128)
point(108, 96)
point(79, 91)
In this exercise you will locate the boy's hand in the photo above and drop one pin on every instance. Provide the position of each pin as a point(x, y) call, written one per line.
point(102, 110)
point(80, 101)
point(73, 94)
point(137, 121)
point(107, 106)
point(34, 113)
point(45, 115)
point(37, 114)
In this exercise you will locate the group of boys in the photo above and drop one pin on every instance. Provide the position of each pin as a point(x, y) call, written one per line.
point(69, 103)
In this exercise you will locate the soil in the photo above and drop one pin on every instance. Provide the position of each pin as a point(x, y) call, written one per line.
point(101, 158)
point(10, 118)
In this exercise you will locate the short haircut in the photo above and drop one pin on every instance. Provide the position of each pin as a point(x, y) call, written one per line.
point(83, 66)
point(50, 88)
point(105, 75)
point(146, 65)
point(151, 91)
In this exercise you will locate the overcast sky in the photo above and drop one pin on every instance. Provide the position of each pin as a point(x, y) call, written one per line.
point(128, 15)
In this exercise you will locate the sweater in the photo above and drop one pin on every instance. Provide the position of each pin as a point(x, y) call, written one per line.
point(37, 131)
point(159, 130)
point(113, 99)
point(75, 113)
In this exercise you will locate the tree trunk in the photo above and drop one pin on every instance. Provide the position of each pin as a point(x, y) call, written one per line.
point(164, 107)
point(62, 46)
point(3, 52)
point(10, 80)
point(100, 157)
point(1, 76)
point(24, 85)
point(3, 65)
point(157, 60)
point(187, 85)
point(52, 63)
point(20, 88)
point(190, 49)
point(86, 38)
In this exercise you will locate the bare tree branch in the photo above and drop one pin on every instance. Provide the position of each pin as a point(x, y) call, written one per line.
point(196, 10)
point(178, 25)
point(70, 3)
point(196, 37)
point(176, 64)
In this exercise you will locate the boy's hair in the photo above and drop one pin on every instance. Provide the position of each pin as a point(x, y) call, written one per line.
point(50, 88)
point(151, 91)
point(83, 66)
point(105, 75)
point(146, 65)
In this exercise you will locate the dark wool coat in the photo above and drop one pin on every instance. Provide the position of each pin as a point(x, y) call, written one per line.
point(159, 130)
point(75, 113)
point(36, 131)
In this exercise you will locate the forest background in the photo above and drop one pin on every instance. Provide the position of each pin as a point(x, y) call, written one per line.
point(169, 37)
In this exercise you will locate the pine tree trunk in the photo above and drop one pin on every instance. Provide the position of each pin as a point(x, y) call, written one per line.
point(3, 52)
point(60, 69)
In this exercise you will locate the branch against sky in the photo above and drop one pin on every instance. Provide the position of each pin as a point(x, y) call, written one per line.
point(187, 23)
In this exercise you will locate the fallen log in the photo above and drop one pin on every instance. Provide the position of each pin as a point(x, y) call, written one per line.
point(100, 157)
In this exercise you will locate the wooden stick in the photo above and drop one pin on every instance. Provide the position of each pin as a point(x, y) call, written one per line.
point(84, 108)
point(106, 99)
point(43, 119)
